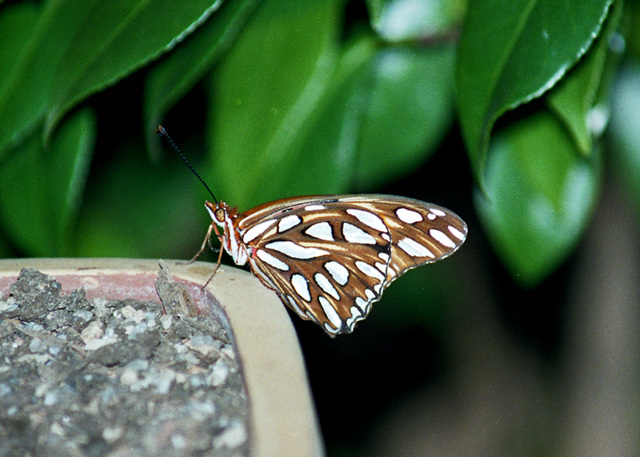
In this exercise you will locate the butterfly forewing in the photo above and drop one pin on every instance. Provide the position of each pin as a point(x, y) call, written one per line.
point(421, 232)
point(329, 258)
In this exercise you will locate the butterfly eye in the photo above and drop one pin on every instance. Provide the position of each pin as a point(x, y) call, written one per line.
point(220, 214)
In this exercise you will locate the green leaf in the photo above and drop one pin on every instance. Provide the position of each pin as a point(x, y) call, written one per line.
point(78, 47)
point(28, 82)
point(632, 35)
point(325, 116)
point(22, 188)
point(116, 39)
point(322, 159)
point(410, 109)
point(134, 209)
point(404, 20)
point(176, 74)
point(538, 196)
point(69, 156)
point(40, 189)
point(16, 25)
point(574, 98)
point(265, 92)
point(512, 52)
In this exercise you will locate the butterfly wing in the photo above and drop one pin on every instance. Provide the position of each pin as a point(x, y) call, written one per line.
point(421, 232)
point(330, 257)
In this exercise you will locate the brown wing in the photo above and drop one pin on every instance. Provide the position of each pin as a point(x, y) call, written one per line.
point(421, 232)
point(329, 258)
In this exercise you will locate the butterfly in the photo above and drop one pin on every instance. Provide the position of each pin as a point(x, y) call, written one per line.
point(329, 258)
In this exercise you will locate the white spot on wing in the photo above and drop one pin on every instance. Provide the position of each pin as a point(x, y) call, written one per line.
point(338, 272)
point(257, 230)
point(271, 260)
point(384, 256)
point(409, 216)
point(294, 250)
point(431, 216)
point(288, 222)
point(370, 271)
point(330, 312)
point(294, 306)
point(321, 231)
point(330, 329)
point(455, 232)
point(438, 212)
point(354, 234)
point(356, 315)
point(442, 238)
point(414, 249)
point(301, 286)
point(326, 285)
point(382, 267)
point(369, 219)
point(362, 304)
point(314, 207)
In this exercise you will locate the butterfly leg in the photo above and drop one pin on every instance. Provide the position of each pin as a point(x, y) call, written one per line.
point(208, 238)
point(204, 244)
point(214, 270)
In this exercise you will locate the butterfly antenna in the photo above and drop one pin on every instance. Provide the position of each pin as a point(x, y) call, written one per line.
point(163, 133)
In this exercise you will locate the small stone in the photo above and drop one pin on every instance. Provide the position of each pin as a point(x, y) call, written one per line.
point(218, 374)
point(233, 436)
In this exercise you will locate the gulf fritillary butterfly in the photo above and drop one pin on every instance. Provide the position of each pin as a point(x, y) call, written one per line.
point(330, 257)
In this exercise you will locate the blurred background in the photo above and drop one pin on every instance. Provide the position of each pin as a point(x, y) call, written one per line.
point(523, 118)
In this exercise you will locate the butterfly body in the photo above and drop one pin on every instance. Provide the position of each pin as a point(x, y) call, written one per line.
point(330, 257)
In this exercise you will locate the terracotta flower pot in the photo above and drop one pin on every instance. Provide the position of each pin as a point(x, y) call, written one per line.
point(113, 356)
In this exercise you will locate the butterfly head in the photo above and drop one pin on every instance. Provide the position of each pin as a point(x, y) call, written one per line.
point(225, 217)
point(220, 212)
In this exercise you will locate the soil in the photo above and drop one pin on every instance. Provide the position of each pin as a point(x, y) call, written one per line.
point(98, 377)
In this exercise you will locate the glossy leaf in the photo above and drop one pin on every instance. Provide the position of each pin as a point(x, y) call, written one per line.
point(539, 193)
point(41, 189)
point(81, 46)
point(404, 20)
point(27, 84)
point(512, 52)
point(574, 98)
point(68, 161)
point(135, 209)
point(176, 74)
point(16, 25)
point(323, 156)
point(409, 110)
point(265, 91)
point(117, 39)
point(343, 115)
point(21, 204)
